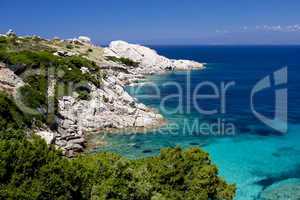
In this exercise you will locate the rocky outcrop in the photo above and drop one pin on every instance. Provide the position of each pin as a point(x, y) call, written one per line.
point(10, 32)
point(81, 40)
point(150, 61)
point(47, 135)
point(65, 53)
point(85, 39)
point(110, 108)
point(286, 189)
point(9, 82)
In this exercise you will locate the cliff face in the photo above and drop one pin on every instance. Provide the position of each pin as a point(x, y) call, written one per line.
point(105, 106)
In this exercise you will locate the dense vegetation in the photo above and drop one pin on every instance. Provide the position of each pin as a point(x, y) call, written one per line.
point(124, 61)
point(12, 119)
point(30, 169)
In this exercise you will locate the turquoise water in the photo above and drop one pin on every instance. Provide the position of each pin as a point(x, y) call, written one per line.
point(255, 156)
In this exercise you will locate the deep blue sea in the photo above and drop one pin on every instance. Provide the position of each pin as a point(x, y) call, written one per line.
point(251, 154)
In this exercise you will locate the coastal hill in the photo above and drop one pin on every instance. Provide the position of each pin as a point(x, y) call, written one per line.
point(96, 100)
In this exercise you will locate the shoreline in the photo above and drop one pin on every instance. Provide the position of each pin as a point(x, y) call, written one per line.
point(111, 107)
point(102, 102)
point(91, 135)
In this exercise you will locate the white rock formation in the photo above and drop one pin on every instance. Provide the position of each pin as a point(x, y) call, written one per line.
point(10, 32)
point(187, 64)
point(65, 53)
point(48, 136)
point(84, 39)
point(110, 108)
point(150, 61)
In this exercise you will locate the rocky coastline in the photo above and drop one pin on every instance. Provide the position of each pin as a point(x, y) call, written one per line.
point(109, 107)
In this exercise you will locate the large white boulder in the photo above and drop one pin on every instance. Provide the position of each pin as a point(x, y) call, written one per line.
point(85, 39)
point(187, 65)
point(10, 32)
point(150, 61)
point(48, 136)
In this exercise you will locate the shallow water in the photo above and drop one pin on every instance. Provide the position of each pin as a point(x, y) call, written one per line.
point(254, 156)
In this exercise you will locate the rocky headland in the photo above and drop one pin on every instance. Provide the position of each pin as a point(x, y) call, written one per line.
point(97, 107)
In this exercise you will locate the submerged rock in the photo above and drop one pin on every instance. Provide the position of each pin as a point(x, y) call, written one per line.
point(288, 189)
point(147, 151)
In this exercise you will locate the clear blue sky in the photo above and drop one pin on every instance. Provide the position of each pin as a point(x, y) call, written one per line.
point(157, 21)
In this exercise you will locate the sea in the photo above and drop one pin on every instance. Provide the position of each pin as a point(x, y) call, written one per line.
point(243, 109)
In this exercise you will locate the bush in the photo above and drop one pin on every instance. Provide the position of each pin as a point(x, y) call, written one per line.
point(11, 117)
point(174, 174)
point(29, 58)
point(69, 46)
point(84, 95)
point(33, 99)
point(21, 60)
point(71, 67)
point(32, 170)
point(3, 40)
point(124, 61)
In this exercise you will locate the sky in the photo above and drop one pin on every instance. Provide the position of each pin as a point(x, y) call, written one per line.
point(168, 22)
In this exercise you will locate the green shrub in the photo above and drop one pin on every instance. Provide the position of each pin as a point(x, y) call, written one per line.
point(3, 40)
point(30, 59)
point(124, 61)
point(69, 46)
point(32, 98)
point(11, 117)
point(72, 73)
point(32, 170)
point(175, 174)
point(22, 60)
point(105, 99)
point(84, 95)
